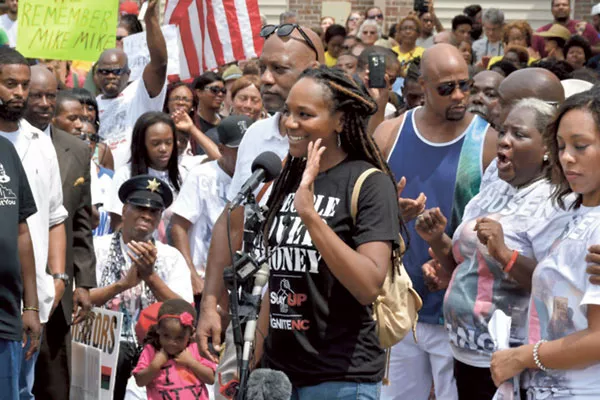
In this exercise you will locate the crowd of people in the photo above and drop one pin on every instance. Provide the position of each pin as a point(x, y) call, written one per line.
point(485, 139)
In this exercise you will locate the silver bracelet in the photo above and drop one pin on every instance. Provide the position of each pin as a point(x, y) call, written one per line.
point(536, 356)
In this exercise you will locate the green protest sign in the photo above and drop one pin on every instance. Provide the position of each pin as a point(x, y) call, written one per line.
point(66, 29)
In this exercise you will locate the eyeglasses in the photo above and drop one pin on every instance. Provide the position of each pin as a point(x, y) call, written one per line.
point(286, 30)
point(120, 38)
point(183, 99)
point(447, 88)
point(378, 16)
point(114, 71)
point(216, 90)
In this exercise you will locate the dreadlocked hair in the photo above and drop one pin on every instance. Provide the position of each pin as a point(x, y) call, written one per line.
point(352, 99)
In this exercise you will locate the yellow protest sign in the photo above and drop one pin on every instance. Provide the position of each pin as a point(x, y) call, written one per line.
point(66, 29)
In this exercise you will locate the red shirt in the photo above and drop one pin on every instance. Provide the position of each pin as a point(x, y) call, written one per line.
point(589, 33)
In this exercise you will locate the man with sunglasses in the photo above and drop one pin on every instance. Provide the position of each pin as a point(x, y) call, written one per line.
point(121, 103)
point(288, 50)
point(440, 151)
point(52, 377)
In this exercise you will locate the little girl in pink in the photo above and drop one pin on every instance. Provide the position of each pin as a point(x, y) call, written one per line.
point(170, 365)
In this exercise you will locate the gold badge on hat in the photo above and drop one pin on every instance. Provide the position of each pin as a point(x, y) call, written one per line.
point(153, 185)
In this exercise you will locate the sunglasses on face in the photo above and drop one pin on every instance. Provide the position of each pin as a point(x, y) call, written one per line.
point(114, 71)
point(89, 137)
point(286, 30)
point(119, 38)
point(378, 16)
point(447, 88)
point(216, 90)
point(353, 19)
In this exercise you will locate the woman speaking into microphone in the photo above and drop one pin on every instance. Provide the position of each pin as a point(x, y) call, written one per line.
point(326, 270)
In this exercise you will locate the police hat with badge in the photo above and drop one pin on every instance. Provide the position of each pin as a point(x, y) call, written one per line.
point(231, 130)
point(146, 191)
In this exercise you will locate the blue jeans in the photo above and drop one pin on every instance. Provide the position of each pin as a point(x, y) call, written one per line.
point(338, 391)
point(10, 365)
point(27, 373)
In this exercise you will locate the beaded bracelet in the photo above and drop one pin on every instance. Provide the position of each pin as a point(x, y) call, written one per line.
point(31, 309)
point(536, 356)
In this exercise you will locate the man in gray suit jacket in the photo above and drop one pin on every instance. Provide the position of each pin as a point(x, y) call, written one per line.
point(52, 377)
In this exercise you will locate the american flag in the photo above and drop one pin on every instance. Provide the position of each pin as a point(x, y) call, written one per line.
point(215, 32)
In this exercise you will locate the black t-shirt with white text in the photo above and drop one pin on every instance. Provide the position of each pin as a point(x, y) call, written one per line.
point(16, 205)
point(318, 331)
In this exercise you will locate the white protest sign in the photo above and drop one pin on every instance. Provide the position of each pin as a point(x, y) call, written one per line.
point(85, 379)
point(99, 334)
point(138, 54)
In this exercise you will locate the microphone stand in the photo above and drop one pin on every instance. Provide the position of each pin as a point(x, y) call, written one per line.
point(245, 308)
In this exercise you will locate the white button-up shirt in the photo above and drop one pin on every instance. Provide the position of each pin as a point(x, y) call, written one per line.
point(261, 136)
point(38, 156)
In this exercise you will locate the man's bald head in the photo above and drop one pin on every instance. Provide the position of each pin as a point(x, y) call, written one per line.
point(445, 82)
point(529, 82)
point(282, 61)
point(440, 59)
point(112, 72)
point(41, 104)
point(444, 37)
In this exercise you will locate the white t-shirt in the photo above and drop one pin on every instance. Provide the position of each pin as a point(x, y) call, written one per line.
point(101, 184)
point(118, 116)
point(201, 200)
point(261, 136)
point(41, 167)
point(170, 267)
point(10, 27)
point(560, 294)
point(479, 286)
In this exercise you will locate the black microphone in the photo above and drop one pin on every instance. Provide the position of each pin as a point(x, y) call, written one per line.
point(268, 384)
point(265, 168)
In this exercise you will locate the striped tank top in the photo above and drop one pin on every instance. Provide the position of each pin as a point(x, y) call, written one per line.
point(450, 175)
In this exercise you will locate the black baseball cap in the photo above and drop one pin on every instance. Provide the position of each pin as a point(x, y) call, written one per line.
point(146, 191)
point(232, 129)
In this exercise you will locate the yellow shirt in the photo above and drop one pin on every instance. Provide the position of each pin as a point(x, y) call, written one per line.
point(406, 58)
point(329, 60)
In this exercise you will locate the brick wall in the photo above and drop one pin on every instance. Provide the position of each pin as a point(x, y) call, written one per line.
point(309, 11)
point(582, 9)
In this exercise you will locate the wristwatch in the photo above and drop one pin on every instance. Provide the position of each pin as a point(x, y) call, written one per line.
point(64, 277)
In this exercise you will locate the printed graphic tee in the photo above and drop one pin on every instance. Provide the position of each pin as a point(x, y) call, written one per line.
point(118, 116)
point(561, 294)
point(174, 381)
point(318, 331)
point(479, 285)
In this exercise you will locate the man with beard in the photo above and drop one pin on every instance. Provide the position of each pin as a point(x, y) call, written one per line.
point(121, 103)
point(52, 377)
point(440, 150)
point(561, 11)
point(283, 59)
point(133, 271)
point(39, 160)
point(483, 100)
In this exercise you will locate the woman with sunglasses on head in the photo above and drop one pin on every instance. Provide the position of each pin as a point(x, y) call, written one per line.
point(562, 357)
point(325, 340)
point(153, 152)
point(181, 105)
point(101, 152)
point(210, 91)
